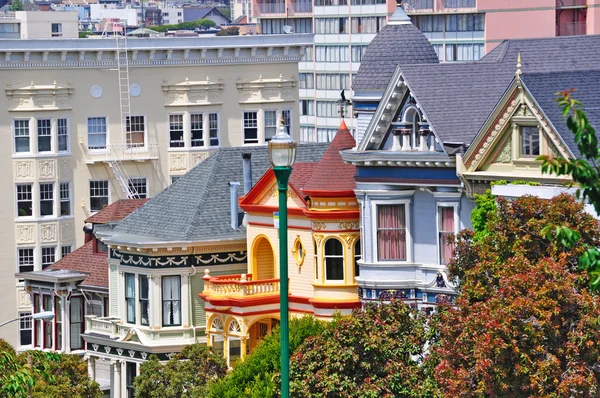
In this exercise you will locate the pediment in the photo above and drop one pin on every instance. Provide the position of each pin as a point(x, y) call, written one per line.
point(265, 194)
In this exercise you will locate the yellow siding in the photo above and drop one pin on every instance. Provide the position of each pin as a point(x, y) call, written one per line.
point(264, 259)
point(301, 278)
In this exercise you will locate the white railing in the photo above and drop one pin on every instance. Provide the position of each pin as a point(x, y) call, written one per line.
point(105, 325)
point(122, 152)
point(112, 328)
point(238, 286)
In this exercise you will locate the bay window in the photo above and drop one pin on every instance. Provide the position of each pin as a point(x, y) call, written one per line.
point(171, 300)
point(391, 232)
point(44, 131)
point(197, 129)
point(334, 260)
point(46, 199)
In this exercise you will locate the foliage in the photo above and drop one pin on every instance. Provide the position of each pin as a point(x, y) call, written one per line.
point(517, 182)
point(484, 204)
point(84, 34)
point(524, 323)
point(233, 31)
point(190, 25)
point(16, 5)
point(226, 11)
point(44, 374)
point(584, 171)
point(375, 352)
point(254, 376)
point(185, 375)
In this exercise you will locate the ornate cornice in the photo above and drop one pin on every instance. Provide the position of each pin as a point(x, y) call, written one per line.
point(178, 260)
point(192, 93)
point(39, 97)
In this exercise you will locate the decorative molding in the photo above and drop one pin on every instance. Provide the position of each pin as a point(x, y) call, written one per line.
point(47, 168)
point(65, 169)
point(24, 298)
point(24, 169)
point(318, 225)
point(178, 162)
point(348, 225)
point(198, 158)
point(318, 238)
point(175, 261)
point(67, 232)
point(349, 238)
point(505, 155)
point(266, 90)
point(48, 233)
point(39, 97)
point(193, 93)
point(25, 234)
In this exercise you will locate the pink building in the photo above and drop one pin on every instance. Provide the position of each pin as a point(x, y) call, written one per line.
point(464, 30)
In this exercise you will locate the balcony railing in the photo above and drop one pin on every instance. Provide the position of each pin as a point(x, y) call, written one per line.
point(112, 328)
point(238, 286)
point(571, 29)
point(271, 8)
point(570, 3)
point(418, 5)
point(122, 152)
point(300, 7)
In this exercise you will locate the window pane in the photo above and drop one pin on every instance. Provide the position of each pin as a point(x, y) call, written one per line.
point(213, 128)
point(46, 199)
point(63, 134)
point(21, 128)
point(44, 135)
point(144, 300)
point(176, 131)
point(250, 128)
point(197, 130)
point(25, 260)
point(97, 133)
point(24, 200)
point(391, 232)
point(446, 228)
point(171, 288)
point(98, 195)
point(130, 297)
point(334, 260)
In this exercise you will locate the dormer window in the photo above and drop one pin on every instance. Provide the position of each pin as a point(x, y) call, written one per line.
point(530, 141)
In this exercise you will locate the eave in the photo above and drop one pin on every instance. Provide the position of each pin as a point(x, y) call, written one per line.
point(398, 158)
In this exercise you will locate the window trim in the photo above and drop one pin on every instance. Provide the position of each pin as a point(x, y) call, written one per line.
point(147, 194)
point(129, 146)
point(25, 316)
point(33, 254)
point(258, 140)
point(107, 133)
point(218, 129)
point(51, 135)
point(520, 127)
point(68, 135)
point(127, 298)
point(407, 202)
point(33, 206)
point(14, 140)
point(264, 124)
point(162, 301)
point(60, 199)
point(42, 256)
point(343, 257)
point(183, 129)
point(438, 221)
point(90, 196)
point(53, 191)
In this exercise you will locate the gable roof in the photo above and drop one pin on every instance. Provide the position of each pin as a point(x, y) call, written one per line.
point(116, 211)
point(85, 261)
point(332, 174)
point(301, 173)
point(197, 206)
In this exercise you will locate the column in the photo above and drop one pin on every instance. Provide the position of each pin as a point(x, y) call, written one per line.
point(117, 385)
point(152, 320)
point(156, 301)
point(92, 367)
point(185, 300)
point(406, 139)
point(66, 329)
point(244, 342)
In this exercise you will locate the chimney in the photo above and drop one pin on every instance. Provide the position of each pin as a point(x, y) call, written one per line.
point(233, 194)
point(247, 160)
point(88, 230)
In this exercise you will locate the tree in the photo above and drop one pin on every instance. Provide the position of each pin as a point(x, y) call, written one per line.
point(254, 377)
point(203, 23)
point(16, 5)
point(584, 171)
point(233, 31)
point(375, 352)
point(185, 375)
point(524, 323)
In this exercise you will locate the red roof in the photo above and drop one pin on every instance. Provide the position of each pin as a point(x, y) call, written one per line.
point(116, 211)
point(331, 174)
point(301, 173)
point(86, 261)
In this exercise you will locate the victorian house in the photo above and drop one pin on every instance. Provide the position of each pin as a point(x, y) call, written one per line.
point(324, 241)
point(75, 287)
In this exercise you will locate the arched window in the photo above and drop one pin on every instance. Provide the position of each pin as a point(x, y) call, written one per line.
point(357, 250)
point(316, 259)
point(412, 116)
point(334, 260)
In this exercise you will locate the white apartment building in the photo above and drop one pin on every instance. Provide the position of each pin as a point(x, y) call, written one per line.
point(343, 29)
point(83, 130)
point(172, 15)
point(39, 25)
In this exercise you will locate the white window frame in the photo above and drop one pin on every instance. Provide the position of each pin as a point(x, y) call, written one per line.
point(37, 134)
point(183, 128)
point(62, 253)
point(53, 192)
point(407, 202)
point(265, 126)
point(33, 196)
point(60, 199)
point(25, 318)
point(59, 32)
point(68, 135)
point(210, 145)
point(438, 220)
point(258, 140)
point(42, 256)
point(204, 132)
point(106, 133)
point(139, 179)
point(90, 196)
point(14, 131)
point(19, 258)
point(130, 146)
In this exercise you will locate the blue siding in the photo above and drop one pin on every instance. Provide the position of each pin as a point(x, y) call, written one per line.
point(433, 173)
point(424, 228)
point(467, 206)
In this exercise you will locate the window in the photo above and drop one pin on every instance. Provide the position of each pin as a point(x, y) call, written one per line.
point(445, 228)
point(333, 81)
point(357, 255)
point(429, 23)
point(270, 124)
point(250, 127)
point(316, 259)
point(63, 135)
point(76, 318)
point(37, 307)
point(463, 52)
point(144, 300)
point(130, 374)
point(287, 120)
point(25, 330)
point(58, 323)
point(308, 55)
point(26, 260)
point(48, 256)
point(176, 131)
point(321, 3)
point(307, 134)
point(334, 260)
point(306, 80)
point(139, 187)
point(174, 179)
point(328, 26)
point(65, 199)
point(326, 135)
point(327, 108)
point(367, 24)
point(44, 131)
point(391, 232)
point(24, 200)
point(135, 131)
point(307, 107)
point(530, 141)
point(48, 332)
point(96, 132)
point(65, 250)
point(197, 130)
point(56, 30)
point(101, 247)
point(213, 129)
point(98, 194)
point(358, 52)
point(171, 300)
point(46, 199)
point(332, 53)
point(21, 135)
point(130, 297)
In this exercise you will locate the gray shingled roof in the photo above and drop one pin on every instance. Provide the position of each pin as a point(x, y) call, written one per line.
point(543, 87)
point(197, 206)
point(394, 45)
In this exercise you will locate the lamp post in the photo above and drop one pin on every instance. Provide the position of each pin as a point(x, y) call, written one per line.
point(282, 153)
point(44, 315)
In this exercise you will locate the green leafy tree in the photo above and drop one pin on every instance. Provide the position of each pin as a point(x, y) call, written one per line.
point(376, 352)
point(186, 375)
point(190, 25)
point(584, 171)
point(16, 5)
point(525, 323)
point(254, 377)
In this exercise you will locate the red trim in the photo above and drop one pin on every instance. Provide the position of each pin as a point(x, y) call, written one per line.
point(243, 302)
point(259, 188)
point(299, 300)
point(329, 214)
point(252, 208)
point(335, 305)
point(329, 194)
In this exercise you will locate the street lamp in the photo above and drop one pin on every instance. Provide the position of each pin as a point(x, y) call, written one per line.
point(44, 315)
point(282, 154)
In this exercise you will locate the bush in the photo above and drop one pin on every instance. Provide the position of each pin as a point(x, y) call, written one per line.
point(233, 31)
point(254, 376)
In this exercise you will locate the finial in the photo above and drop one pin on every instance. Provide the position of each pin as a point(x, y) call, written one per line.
point(519, 71)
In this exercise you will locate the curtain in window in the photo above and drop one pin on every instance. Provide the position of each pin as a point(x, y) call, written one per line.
point(446, 229)
point(171, 296)
point(130, 297)
point(391, 232)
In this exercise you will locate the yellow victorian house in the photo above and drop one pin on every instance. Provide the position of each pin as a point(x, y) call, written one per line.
point(324, 238)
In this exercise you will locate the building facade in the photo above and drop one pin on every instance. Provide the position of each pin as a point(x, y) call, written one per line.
point(39, 25)
point(89, 130)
